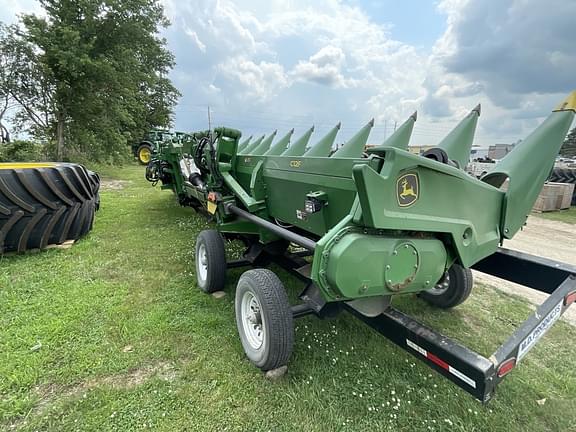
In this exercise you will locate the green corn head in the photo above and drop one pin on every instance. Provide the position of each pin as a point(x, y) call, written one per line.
point(385, 221)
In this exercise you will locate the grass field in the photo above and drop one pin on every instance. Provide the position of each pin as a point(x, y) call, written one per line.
point(113, 335)
point(568, 215)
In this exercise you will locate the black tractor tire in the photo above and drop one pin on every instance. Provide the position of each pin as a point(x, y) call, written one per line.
point(564, 175)
point(264, 319)
point(95, 182)
point(144, 153)
point(453, 289)
point(210, 261)
point(43, 204)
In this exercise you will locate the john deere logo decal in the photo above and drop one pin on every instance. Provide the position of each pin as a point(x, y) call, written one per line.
point(407, 189)
point(295, 163)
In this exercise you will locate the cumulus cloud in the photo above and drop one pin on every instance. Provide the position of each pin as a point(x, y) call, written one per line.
point(510, 48)
point(324, 67)
point(259, 81)
point(286, 62)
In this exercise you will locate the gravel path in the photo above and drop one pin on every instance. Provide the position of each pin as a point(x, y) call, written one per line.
point(546, 238)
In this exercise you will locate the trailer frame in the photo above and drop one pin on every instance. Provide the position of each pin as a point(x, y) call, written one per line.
point(471, 371)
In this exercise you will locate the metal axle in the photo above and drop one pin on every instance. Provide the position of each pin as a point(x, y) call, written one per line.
point(305, 242)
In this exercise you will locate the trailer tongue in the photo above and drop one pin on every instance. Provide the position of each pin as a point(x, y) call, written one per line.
point(371, 224)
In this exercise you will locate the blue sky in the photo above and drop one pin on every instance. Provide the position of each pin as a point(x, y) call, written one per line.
point(276, 64)
point(416, 22)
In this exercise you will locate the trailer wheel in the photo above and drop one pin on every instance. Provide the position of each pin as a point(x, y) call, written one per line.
point(264, 319)
point(453, 289)
point(144, 154)
point(210, 261)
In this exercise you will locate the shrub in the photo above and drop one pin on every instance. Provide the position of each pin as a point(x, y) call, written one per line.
point(21, 151)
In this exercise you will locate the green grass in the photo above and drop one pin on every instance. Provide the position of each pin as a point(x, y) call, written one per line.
point(568, 215)
point(113, 335)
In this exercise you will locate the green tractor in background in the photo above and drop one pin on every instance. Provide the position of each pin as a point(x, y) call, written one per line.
point(144, 148)
point(153, 139)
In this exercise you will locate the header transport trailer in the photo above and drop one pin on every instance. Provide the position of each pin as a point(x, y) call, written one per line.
point(359, 226)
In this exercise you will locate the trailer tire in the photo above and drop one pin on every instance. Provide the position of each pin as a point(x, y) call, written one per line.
point(144, 153)
point(264, 319)
point(453, 289)
point(210, 261)
point(43, 204)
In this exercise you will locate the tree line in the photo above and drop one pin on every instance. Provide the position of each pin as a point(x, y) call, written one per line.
point(86, 77)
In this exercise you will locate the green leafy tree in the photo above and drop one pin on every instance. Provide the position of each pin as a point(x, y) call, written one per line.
point(100, 75)
point(24, 88)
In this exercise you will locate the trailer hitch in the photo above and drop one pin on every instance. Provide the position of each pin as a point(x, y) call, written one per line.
point(471, 371)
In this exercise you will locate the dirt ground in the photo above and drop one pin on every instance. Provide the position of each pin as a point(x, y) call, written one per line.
point(547, 238)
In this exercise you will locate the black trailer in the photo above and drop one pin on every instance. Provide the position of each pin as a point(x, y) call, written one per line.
point(471, 371)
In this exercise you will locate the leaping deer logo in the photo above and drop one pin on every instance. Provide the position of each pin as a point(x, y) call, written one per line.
point(407, 189)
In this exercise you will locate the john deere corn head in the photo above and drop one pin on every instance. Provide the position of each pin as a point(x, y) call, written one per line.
point(360, 225)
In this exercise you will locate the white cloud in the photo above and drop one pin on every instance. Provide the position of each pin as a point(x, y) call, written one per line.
point(298, 62)
point(517, 57)
point(258, 81)
point(194, 36)
point(10, 9)
point(511, 49)
point(324, 67)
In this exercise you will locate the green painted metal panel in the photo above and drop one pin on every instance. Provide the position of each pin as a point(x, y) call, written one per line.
point(360, 263)
point(447, 201)
point(323, 147)
point(281, 145)
point(458, 143)
point(400, 138)
point(354, 147)
point(299, 146)
point(263, 147)
point(527, 167)
point(244, 143)
point(253, 145)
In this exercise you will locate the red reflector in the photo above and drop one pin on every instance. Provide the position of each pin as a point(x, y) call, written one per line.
point(438, 361)
point(212, 197)
point(506, 367)
point(570, 298)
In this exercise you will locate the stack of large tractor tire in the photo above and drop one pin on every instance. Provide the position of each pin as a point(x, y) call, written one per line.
point(44, 204)
point(564, 175)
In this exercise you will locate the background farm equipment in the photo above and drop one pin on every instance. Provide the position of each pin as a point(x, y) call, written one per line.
point(359, 226)
point(145, 148)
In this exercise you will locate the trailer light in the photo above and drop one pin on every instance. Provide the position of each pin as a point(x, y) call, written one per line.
point(313, 205)
point(506, 367)
point(315, 201)
point(212, 197)
point(570, 298)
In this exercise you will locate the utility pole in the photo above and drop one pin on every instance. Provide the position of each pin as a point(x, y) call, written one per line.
point(209, 120)
point(385, 129)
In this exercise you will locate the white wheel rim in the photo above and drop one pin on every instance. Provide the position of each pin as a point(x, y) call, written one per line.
point(202, 264)
point(252, 319)
point(442, 286)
